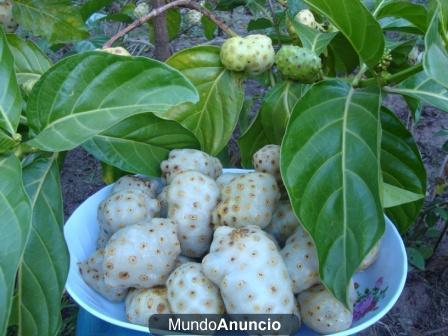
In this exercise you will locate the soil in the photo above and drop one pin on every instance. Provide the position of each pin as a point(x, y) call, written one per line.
point(423, 306)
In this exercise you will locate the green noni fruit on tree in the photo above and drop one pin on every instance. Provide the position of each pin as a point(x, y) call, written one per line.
point(253, 53)
point(299, 64)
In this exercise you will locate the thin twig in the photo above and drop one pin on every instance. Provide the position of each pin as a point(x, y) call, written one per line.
point(177, 3)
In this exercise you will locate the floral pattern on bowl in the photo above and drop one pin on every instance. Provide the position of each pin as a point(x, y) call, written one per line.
point(368, 299)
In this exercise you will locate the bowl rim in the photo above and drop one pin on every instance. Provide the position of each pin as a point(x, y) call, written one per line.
point(353, 330)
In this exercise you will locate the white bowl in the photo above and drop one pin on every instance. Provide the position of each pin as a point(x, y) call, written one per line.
point(379, 286)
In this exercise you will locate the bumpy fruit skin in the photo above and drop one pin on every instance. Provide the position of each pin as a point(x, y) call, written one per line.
point(248, 269)
point(124, 208)
point(262, 54)
point(181, 259)
point(283, 223)
point(136, 183)
point(192, 196)
point(226, 178)
point(141, 255)
point(92, 272)
point(141, 304)
point(253, 53)
point(141, 10)
point(306, 18)
point(322, 313)
point(249, 199)
point(371, 257)
point(116, 51)
point(299, 64)
point(6, 19)
point(300, 256)
point(181, 160)
point(193, 17)
point(267, 160)
point(190, 292)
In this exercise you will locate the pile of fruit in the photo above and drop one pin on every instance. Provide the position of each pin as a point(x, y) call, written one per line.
point(204, 242)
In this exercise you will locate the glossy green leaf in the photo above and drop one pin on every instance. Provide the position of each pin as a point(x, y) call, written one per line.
point(414, 13)
point(401, 167)
point(57, 21)
point(276, 108)
point(399, 25)
point(394, 196)
point(252, 140)
point(400, 54)
point(209, 27)
point(260, 23)
point(15, 212)
point(415, 258)
point(342, 58)
point(29, 61)
point(420, 86)
point(85, 94)
point(10, 97)
point(44, 267)
point(357, 24)
point(435, 60)
point(139, 143)
point(221, 92)
point(6, 142)
point(313, 39)
point(330, 164)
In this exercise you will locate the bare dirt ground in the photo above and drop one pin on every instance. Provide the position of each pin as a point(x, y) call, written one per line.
point(422, 309)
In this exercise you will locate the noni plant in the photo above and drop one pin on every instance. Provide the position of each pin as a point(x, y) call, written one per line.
point(324, 68)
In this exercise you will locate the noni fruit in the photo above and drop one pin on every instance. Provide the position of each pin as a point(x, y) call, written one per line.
point(125, 208)
point(92, 272)
point(322, 313)
point(249, 270)
point(141, 10)
point(283, 223)
point(299, 64)
point(306, 17)
point(120, 51)
point(141, 304)
point(253, 53)
point(193, 17)
point(136, 183)
point(141, 255)
point(249, 199)
point(192, 196)
point(190, 292)
point(300, 256)
point(267, 160)
point(181, 160)
point(6, 19)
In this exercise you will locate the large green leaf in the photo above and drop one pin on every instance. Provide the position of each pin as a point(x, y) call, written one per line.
point(435, 60)
point(139, 143)
point(394, 196)
point(173, 21)
point(276, 108)
point(57, 21)
point(15, 214)
point(44, 267)
point(29, 61)
point(414, 13)
point(313, 39)
point(85, 94)
point(357, 24)
point(402, 167)
point(420, 86)
point(330, 164)
point(6, 142)
point(91, 6)
point(252, 140)
point(399, 25)
point(221, 92)
point(10, 97)
point(342, 58)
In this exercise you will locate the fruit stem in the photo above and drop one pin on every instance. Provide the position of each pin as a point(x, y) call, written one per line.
point(157, 11)
point(359, 75)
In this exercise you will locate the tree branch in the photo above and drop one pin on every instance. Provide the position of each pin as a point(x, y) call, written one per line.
point(176, 3)
point(162, 40)
point(392, 79)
